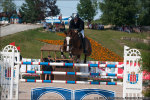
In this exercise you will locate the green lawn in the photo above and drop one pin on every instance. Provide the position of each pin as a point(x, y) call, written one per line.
point(112, 39)
point(30, 47)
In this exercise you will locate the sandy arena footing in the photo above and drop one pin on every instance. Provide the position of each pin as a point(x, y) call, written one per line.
point(25, 90)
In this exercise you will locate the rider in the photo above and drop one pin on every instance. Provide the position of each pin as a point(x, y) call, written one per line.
point(77, 24)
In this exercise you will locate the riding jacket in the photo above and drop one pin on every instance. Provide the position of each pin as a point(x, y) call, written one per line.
point(79, 25)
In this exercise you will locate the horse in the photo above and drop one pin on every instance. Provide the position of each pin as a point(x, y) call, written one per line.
point(73, 45)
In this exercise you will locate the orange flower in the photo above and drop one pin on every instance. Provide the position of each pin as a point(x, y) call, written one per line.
point(99, 52)
point(61, 34)
point(55, 42)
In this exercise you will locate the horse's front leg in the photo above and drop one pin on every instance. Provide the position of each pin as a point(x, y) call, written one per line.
point(85, 58)
point(78, 58)
point(76, 69)
point(70, 54)
point(62, 52)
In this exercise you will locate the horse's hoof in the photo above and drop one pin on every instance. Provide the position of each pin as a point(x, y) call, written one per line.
point(62, 56)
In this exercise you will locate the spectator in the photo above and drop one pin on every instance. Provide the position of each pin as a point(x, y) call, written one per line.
point(50, 27)
point(50, 68)
point(57, 29)
point(96, 26)
point(62, 26)
point(126, 29)
point(47, 67)
point(47, 26)
point(44, 24)
point(90, 26)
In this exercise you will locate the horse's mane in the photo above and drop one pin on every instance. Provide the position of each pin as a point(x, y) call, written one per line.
point(73, 33)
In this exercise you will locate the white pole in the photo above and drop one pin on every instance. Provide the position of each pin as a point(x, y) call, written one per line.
point(17, 76)
point(12, 74)
point(124, 72)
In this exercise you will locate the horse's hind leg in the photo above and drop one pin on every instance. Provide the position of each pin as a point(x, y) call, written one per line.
point(85, 62)
point(85, 58)
point(76, 69)
point(70, 55)
point(62, 53)
point(78, 58)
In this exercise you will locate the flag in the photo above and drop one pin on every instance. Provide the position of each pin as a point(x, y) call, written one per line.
point(13, 43)
point(18, 48)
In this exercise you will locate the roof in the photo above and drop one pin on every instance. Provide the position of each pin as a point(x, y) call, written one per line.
point(50, 47)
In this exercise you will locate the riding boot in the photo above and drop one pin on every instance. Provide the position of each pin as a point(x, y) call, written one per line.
point(83, 44)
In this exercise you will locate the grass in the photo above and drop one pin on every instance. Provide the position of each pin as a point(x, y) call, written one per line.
point(143, 46)
point(112, 39)
point(30, 47)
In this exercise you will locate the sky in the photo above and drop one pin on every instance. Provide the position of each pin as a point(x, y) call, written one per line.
point(67, 7)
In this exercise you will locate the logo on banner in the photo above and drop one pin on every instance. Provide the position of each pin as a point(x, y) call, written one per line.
point(132, 78)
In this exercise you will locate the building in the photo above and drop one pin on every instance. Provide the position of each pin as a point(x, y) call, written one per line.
point(15, 19)
point(4, 18)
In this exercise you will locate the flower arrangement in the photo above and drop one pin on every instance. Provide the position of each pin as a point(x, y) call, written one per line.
point(55, 42)
point(61, 34)
point(101, 53)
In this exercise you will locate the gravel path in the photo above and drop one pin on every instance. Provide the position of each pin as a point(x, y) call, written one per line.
point(14, 28)
point(25, 90)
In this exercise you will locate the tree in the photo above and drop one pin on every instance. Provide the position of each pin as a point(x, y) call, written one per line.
point(52, 8)
point(119, 12)
point(32, 11)
point(144, 13)
point(87, 9)
point(36, 10)
point(8, 6)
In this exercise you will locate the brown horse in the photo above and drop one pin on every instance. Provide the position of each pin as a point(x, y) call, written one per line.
point(73, 45)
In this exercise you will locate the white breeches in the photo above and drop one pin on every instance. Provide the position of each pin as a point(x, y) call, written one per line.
point(82, 32)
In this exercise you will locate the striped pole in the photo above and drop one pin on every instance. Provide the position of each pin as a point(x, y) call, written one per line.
point(71, 82)
point(71, 64)
point(73, 73)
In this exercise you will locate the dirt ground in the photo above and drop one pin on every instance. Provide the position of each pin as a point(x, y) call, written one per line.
point(25, 90)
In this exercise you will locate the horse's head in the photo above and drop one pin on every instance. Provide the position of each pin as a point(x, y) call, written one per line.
point(70, 35)
point(73, 44)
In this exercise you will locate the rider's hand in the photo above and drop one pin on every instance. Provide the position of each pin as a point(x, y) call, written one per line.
point(76, 31)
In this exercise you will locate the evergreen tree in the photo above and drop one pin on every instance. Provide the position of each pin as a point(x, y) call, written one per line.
point(87, 9)
point(119, 12)
point(52, 8)
point(144, 13)
point(8, 6)
point(32, 11)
